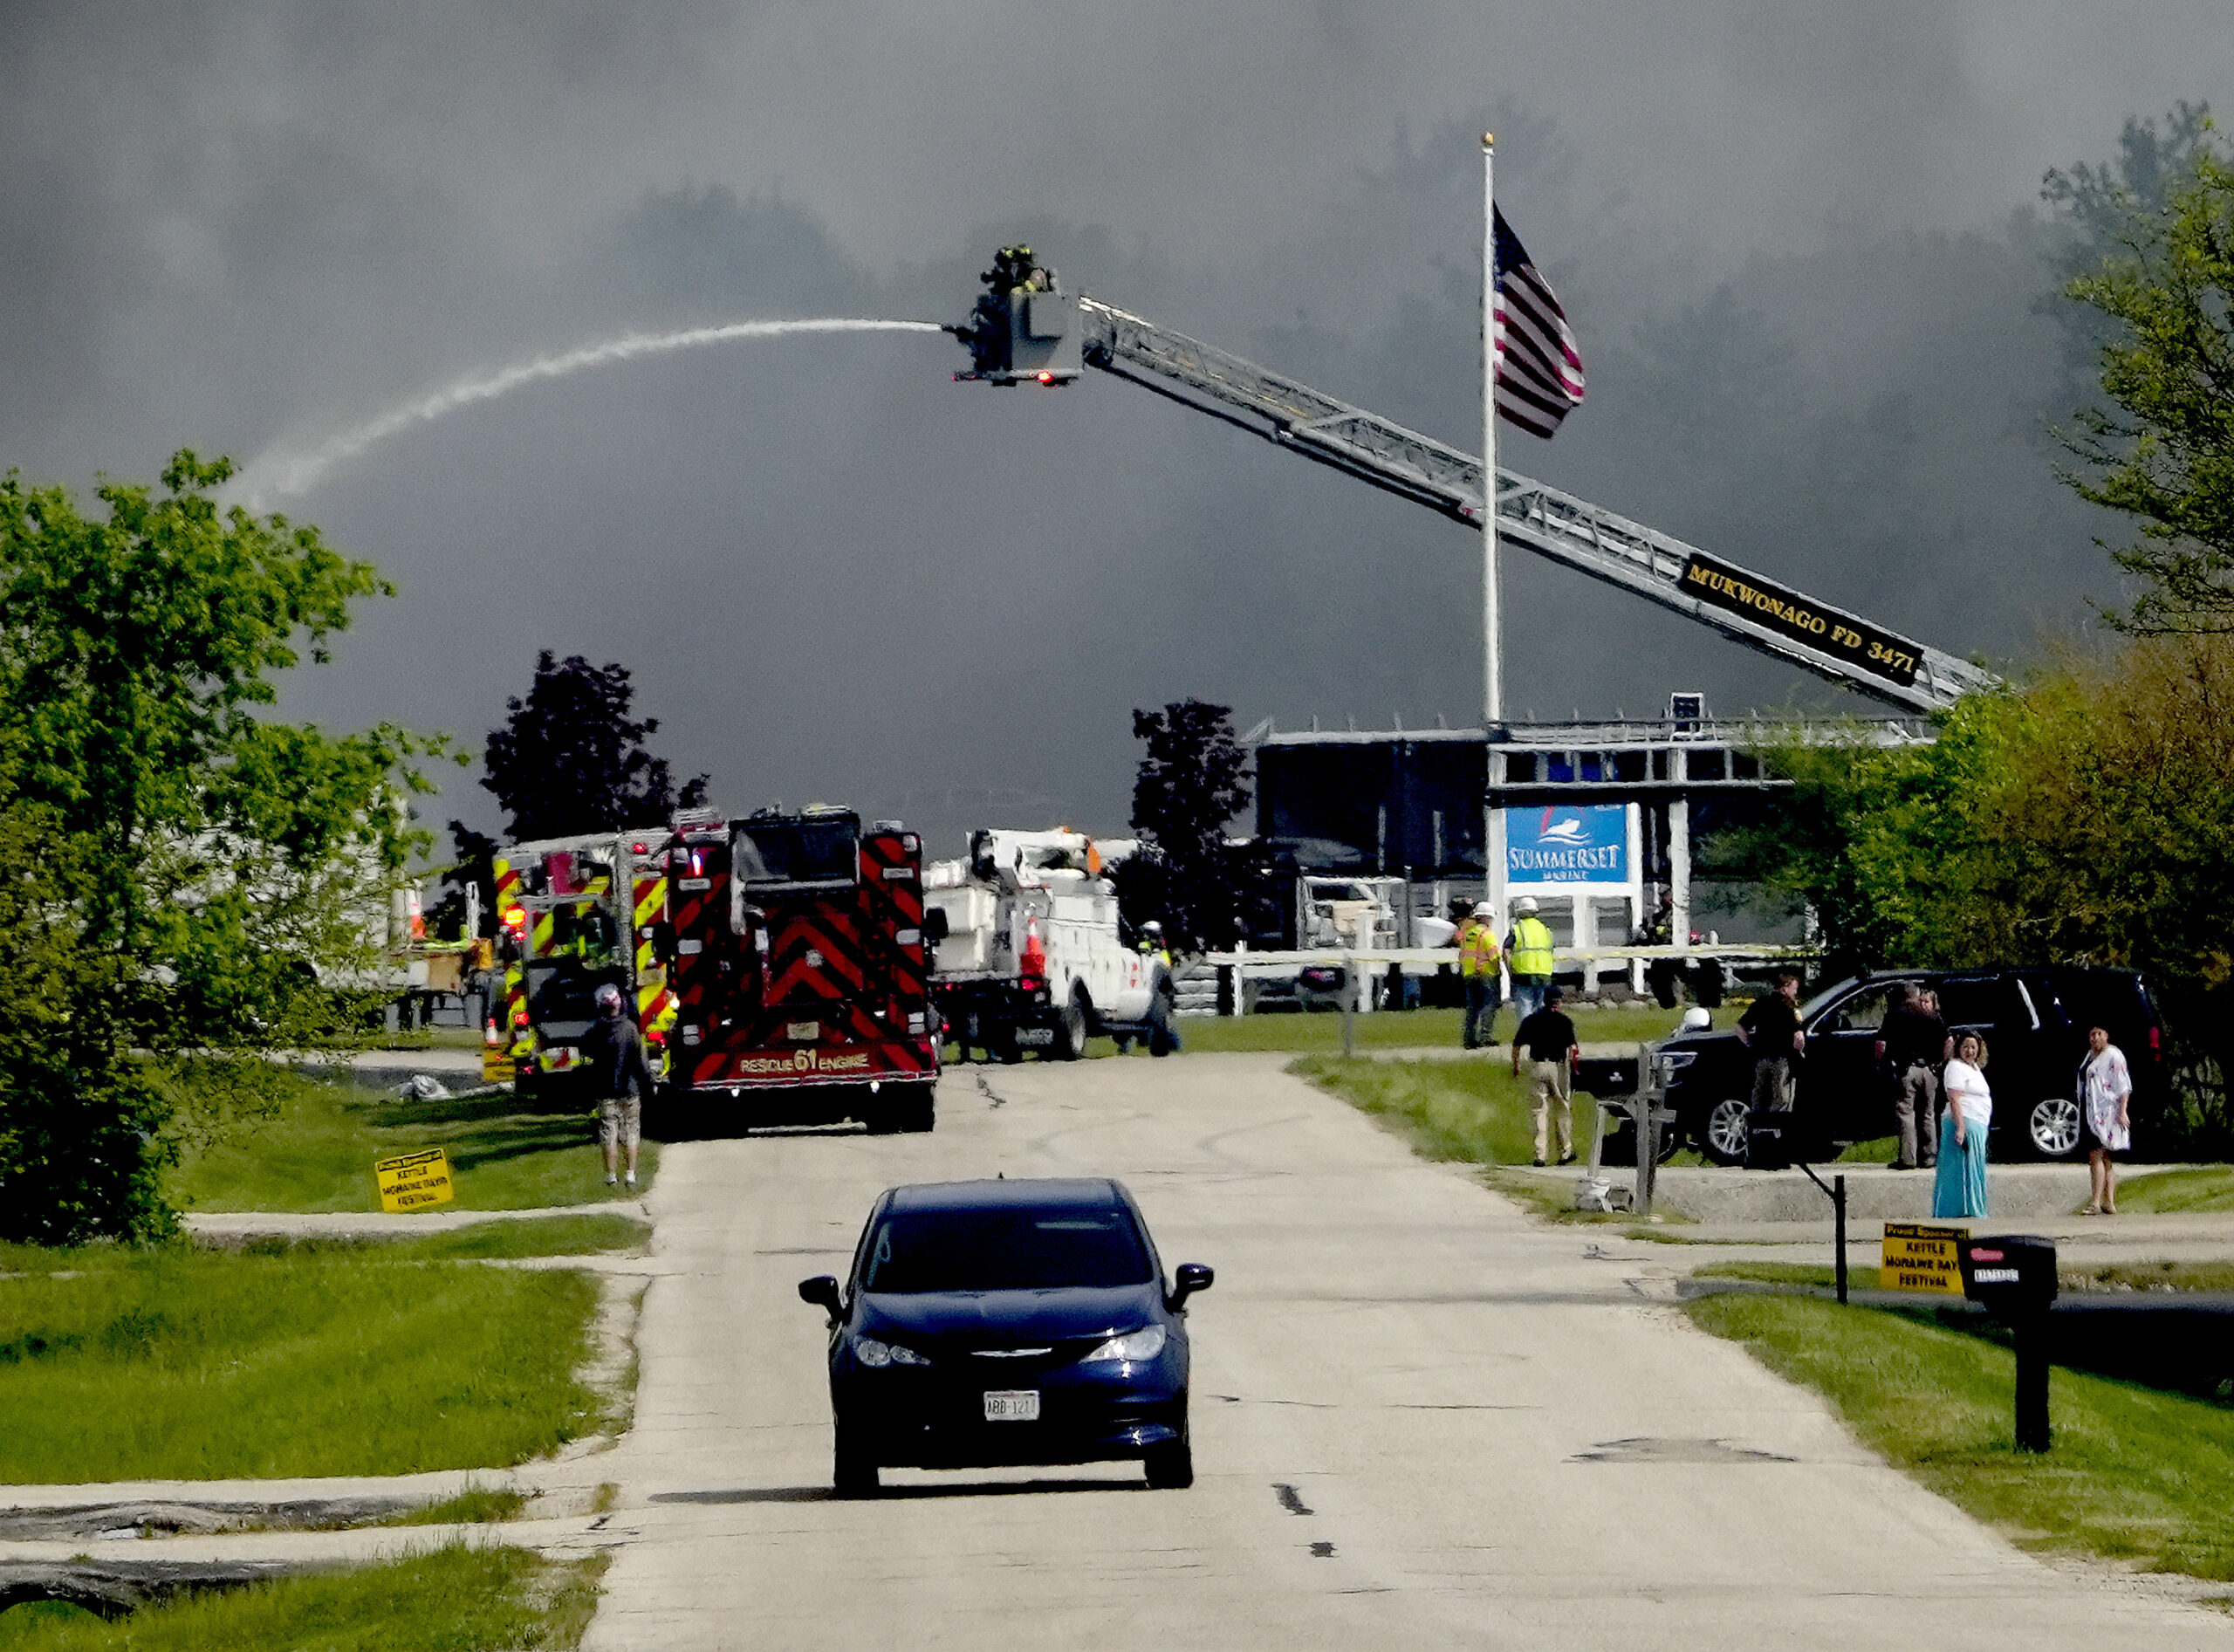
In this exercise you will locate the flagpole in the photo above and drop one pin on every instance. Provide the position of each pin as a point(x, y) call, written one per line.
point(1493, 848)
point(1492, 639)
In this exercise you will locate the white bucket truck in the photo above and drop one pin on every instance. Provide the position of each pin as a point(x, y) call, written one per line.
point(1031, 953)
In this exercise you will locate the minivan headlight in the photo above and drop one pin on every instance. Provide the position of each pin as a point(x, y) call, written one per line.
point(1133, 1346)
point(876, 1355)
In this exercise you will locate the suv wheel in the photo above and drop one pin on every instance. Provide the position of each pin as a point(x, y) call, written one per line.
point(2052, 1127)
point(1728, 1129)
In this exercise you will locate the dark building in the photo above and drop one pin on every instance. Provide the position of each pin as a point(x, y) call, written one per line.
point(1375, 804)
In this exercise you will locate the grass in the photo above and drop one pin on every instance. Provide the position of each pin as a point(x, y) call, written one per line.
point(1553, 1201)
point(2151, 1276)
point(317, 1153)
point(2138, 1477)
point(1469, 1112)
point(176, 1363)
point(2114, 1276)
point(1320, 1031)
point(1824, 1277)
point(478, 1505)
point(1881, 1150)
point(444, 1038)
point(453, 1599)
point(2167, 1192)
point(590, 1234)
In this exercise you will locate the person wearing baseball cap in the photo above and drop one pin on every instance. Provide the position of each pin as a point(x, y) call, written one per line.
point(1548, 1037)
point(622, 1074)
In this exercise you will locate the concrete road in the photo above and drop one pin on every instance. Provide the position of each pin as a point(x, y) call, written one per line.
point(1420, 1419)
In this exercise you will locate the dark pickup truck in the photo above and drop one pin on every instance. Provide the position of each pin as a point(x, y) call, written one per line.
point(2034, 1022)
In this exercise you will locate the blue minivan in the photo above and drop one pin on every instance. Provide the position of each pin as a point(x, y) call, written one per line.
point(1007, 1322)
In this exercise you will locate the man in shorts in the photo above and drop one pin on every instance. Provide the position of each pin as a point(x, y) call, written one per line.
point(622, 1075)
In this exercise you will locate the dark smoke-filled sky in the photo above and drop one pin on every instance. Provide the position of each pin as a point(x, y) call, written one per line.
point(1800, 247)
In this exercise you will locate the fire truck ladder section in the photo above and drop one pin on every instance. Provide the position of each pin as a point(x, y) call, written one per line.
point(1761, 613)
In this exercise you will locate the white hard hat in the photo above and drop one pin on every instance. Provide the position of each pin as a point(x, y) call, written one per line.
point(1527, 904)
point(1153, 926)
point(1484, 909)
point(1697, 1020)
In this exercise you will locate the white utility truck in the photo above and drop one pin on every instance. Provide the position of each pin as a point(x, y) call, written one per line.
point(1031, 951)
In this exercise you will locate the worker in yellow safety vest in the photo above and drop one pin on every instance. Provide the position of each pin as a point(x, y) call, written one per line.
point(1152, 947)
point(1528, 955)
point(1479, 958)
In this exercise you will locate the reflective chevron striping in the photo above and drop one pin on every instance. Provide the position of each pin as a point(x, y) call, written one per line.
point(793, 967)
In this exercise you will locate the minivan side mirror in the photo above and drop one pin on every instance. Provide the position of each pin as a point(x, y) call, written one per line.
point(1192, 1277)
point(822, 1292)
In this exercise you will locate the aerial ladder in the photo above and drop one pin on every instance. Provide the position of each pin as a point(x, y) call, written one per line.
point(1026, 330)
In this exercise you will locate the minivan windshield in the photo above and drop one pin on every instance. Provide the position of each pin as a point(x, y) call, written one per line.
point(1009, 1249)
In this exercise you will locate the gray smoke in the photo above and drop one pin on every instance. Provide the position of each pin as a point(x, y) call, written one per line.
point(1795, 243)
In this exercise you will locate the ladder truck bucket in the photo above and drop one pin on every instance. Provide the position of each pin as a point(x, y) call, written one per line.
point(1025, 328)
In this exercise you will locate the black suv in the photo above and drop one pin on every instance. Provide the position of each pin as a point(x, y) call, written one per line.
point(2034, 1022)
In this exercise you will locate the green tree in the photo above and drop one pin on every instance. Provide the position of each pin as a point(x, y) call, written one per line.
point(191, 886)
point(1193, 779)
point(570, 758)
point(2081, 816)
point(2159, 446)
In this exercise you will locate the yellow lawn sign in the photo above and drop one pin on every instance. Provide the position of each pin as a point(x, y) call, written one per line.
point(1918, 1257)
point(415, 1180)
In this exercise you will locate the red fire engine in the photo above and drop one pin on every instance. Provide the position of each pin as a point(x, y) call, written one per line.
point(800, 973)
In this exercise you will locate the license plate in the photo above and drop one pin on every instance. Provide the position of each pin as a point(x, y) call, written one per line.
point(1035, 1035)
point(1012, 1405)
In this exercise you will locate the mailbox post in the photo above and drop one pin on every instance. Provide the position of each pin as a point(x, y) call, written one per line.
point(2013, 1277)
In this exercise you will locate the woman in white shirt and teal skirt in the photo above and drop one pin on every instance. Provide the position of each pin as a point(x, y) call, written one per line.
point(1960, 1186)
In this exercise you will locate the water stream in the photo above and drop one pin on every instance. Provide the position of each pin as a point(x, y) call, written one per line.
point(286, 470)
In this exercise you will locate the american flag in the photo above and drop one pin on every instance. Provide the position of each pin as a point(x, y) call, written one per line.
point(1539, 371)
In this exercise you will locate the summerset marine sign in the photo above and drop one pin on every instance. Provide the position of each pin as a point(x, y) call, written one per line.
point(1567, 844)
point(1789, 614)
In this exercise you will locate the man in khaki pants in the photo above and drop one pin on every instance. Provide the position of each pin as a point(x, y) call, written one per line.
point(1548, 1037)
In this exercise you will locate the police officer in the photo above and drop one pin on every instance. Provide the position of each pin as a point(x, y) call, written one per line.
point(1479, 961)
point(1553, 1053)
point(1913, 1047)
point(1528, 955)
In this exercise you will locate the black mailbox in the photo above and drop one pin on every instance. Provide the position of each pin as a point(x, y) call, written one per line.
point(2011, 1275)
